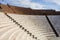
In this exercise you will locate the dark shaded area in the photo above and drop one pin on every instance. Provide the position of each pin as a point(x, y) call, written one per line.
point(55, 21)
point(52, 26)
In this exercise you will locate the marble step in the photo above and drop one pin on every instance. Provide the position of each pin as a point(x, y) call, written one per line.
point(29, 38)
point(5, 25)
point(14, 34)
point(3, 30)
point(23, 36)
point(7, 34)
point(20, 35)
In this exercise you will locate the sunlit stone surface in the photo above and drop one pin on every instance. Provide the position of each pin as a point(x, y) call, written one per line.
point(37, 25)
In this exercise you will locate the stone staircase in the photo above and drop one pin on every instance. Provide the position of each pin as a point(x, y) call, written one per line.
point(24, 27)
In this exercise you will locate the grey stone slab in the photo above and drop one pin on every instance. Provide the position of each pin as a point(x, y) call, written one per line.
point(55, 38)
point(55, 20)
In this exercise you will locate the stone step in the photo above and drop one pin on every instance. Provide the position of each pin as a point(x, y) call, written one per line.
point(5, 25)
point(29, 38)
point(20, 35)
point(14, 34)
point(3, 30)
point(7, 34)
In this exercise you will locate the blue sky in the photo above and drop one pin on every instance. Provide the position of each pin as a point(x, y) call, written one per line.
point(34, 4)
